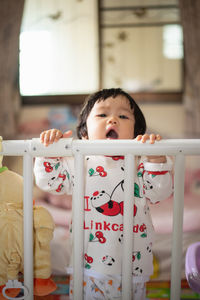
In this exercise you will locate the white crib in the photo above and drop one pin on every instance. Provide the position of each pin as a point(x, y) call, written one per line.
point(78, 148)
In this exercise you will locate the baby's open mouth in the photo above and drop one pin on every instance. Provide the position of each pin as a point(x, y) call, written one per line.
point(112, 134)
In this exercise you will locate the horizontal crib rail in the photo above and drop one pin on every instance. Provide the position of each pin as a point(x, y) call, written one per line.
point(78, 148)
point(67, 147)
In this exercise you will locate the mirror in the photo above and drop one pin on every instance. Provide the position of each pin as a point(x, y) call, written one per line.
point(76, 47)
point(142, 45)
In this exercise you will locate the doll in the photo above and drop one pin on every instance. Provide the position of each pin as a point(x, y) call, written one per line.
point(11, 237)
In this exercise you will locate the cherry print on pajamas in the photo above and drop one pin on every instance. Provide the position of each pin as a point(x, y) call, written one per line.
point(109, 208)
point(60, 186)
point(99, 172)
point(49, 166)
point(136, 255)
point(106, 206)
point(99, 237)
point(89, 260)
point(62, 177)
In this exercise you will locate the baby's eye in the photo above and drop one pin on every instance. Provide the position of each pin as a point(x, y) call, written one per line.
point(123, 117)
point(101, 115)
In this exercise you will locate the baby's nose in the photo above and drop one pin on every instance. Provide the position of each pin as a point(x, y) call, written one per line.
point(112, 120)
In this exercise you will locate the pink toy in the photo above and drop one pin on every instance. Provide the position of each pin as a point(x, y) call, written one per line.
point(192, 266)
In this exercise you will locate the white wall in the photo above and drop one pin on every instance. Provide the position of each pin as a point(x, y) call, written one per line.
point(166, 119)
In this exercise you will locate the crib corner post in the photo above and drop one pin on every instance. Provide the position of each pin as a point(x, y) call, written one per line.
point(175, 292)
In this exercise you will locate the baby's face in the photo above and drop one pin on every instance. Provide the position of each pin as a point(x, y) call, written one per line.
point(111, 119)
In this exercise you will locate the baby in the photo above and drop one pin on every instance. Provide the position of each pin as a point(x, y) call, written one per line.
point(110, 114)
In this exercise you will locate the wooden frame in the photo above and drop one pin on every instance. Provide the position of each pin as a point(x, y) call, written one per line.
point(151, 97)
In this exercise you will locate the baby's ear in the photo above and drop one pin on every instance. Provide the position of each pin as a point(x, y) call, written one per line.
point(85, 137)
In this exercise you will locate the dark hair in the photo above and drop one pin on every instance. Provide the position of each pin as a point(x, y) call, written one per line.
point(102, 95)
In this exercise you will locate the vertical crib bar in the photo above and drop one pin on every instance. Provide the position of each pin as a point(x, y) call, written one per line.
point(128, 227)
point(78, 219)
point(28, 224)
point(177, 227)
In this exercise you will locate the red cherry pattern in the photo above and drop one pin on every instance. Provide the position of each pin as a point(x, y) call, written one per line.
point(136, 255)
point(102, 240)
point(48, 167)
point(59, 188)
point(100, 237)
point(89, 259)
point(101, 171)
point(99, 234)
point(63, 176)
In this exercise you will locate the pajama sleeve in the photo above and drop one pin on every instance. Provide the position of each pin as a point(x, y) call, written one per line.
point(53, 175)
point(157, 181)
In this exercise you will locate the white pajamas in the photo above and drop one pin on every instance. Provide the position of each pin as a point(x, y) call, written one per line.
point(103, 225)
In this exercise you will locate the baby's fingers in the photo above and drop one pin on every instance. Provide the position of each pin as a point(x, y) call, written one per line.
point(143, 138)
point(50, 136)
point(138, 137)
point(158, 137)
point(67, 134)
point(43, 137)
point(152, 138)
point(55, 135)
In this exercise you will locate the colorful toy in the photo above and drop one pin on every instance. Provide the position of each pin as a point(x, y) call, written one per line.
point(192, 266)
point(11, 237)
